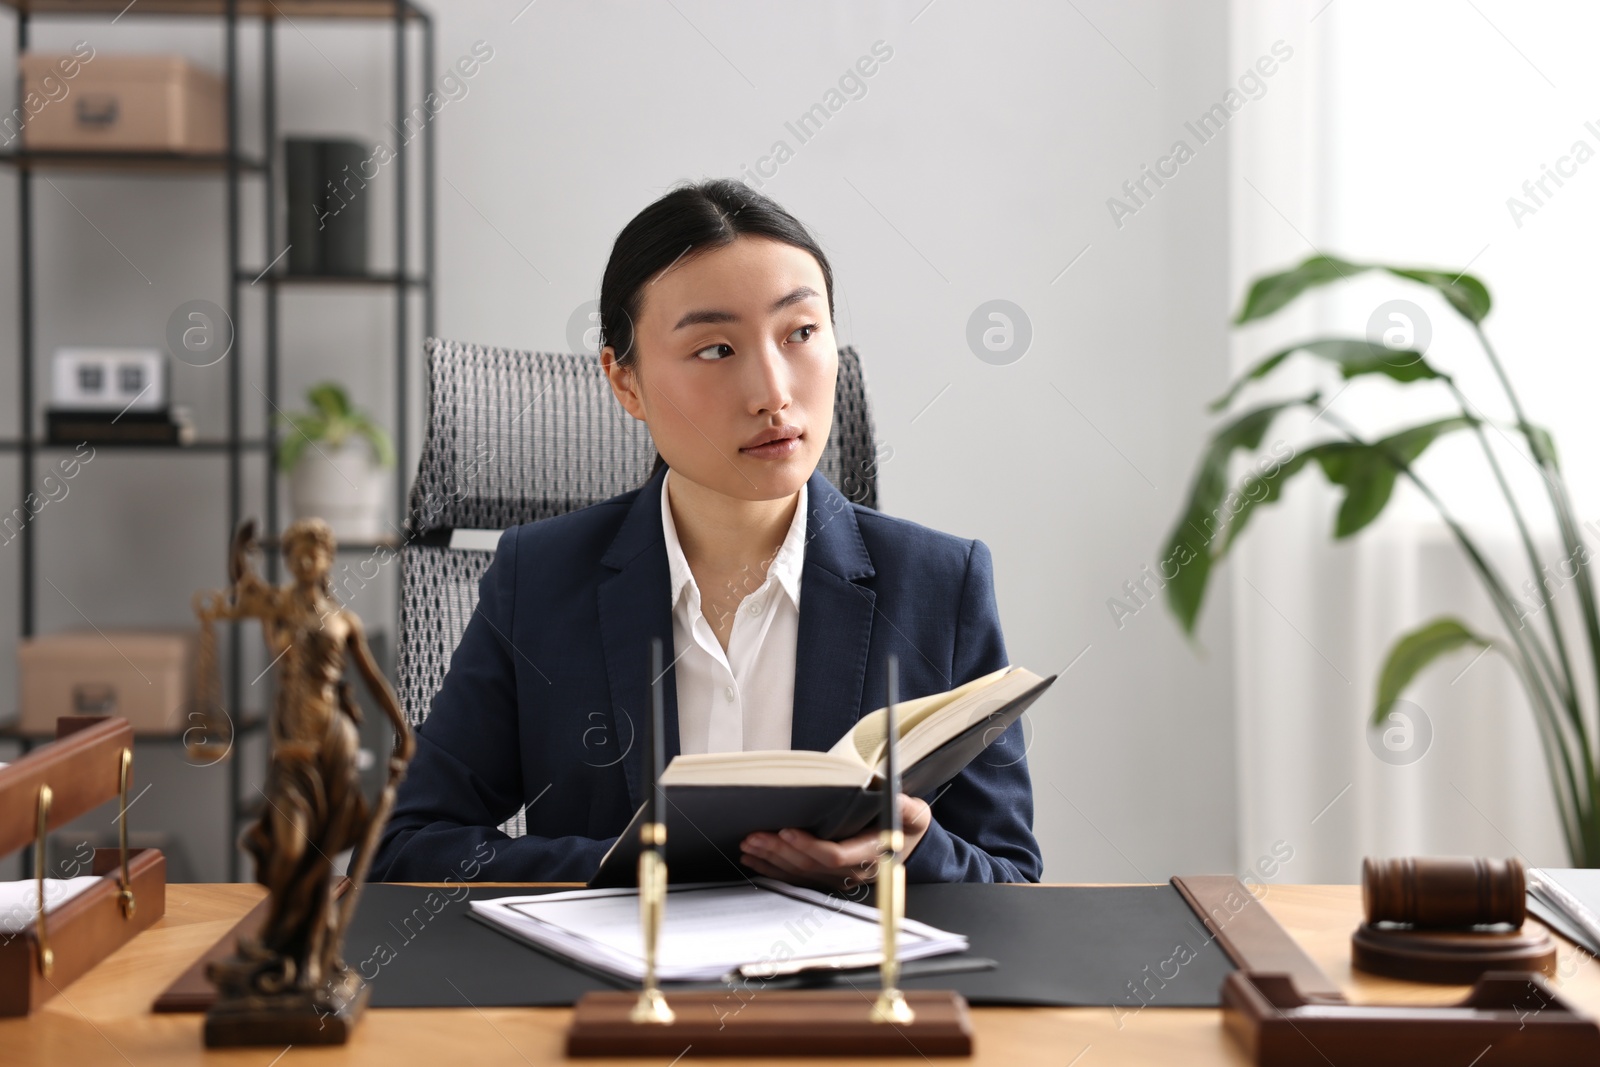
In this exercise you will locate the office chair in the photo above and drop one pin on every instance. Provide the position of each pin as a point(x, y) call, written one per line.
point(513, 437)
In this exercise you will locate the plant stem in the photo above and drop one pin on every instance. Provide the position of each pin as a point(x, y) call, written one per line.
point(1539, 697)
point(1566, 522)
point(1566, 687)
point(1573, 824)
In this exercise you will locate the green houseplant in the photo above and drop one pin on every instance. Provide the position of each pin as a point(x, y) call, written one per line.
point(1546, 658)
point(334, 456)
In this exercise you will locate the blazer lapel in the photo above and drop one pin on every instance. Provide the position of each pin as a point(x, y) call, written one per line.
point(835, 632)
point(633, 606)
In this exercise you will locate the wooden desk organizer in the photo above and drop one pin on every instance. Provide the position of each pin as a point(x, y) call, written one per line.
point(89, 763)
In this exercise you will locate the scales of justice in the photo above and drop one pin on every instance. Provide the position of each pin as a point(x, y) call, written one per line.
point(786, 1022)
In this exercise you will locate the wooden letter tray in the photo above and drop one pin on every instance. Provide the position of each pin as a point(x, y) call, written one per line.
point(89, 763)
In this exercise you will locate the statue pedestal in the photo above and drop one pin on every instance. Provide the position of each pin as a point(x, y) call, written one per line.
point(249, 1013)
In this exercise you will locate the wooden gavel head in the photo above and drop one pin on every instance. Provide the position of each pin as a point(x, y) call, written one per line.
point(1442, 892)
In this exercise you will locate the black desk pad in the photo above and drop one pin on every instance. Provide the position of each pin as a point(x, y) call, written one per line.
point(1060, 946)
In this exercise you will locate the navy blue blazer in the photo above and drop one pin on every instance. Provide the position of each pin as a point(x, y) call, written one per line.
point(551, 684)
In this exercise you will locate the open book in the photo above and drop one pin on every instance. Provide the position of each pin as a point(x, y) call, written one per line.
point(715, 799)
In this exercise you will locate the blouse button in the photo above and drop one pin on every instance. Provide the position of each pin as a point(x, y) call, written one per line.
point(755, 608)
point(728, 692)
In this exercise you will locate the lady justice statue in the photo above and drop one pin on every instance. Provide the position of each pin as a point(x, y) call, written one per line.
point(289, 983)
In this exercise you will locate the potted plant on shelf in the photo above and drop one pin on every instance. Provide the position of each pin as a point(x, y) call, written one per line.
point(334, 457)
point(1548, 660)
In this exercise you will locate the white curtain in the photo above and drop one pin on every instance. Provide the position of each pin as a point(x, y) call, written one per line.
point(1397, 133)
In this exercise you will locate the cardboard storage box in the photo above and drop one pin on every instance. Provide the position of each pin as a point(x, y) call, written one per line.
point(144, 676)
point(124, 103)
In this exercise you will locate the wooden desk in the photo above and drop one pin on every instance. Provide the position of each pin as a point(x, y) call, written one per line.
point(104, 1017)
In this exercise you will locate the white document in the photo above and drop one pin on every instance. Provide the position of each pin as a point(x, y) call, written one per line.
point(1568, 901)
point(19, 901)
point(709, 929)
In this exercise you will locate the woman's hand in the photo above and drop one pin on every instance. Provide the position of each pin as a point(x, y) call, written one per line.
point(798, 857)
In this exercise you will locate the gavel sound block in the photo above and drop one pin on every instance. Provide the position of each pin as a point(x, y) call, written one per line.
point(1447, 919)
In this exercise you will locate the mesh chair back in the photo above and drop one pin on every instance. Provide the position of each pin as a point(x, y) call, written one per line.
point(513, 437)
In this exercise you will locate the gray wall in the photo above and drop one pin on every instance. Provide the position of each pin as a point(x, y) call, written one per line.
point(975, 166)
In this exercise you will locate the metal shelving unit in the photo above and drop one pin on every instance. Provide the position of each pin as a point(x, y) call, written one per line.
point(235, 166)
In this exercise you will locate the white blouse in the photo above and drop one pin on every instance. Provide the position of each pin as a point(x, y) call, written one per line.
point(741, 699)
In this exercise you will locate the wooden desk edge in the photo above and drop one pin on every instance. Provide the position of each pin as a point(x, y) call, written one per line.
point(111, 1003)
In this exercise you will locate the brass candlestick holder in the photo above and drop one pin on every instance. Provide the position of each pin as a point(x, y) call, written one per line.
point(891, 1006)
point(652, 1007)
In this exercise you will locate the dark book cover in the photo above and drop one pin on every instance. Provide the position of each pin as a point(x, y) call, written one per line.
point(705, 823)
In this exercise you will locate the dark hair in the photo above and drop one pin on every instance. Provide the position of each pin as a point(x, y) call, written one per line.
point(689, 219)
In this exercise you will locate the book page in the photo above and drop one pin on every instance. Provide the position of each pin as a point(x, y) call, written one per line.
point(854, 759)
point(869, 738)
point(954, 718)
point(780, 767)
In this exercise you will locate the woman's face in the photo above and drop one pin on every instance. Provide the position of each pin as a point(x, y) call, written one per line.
point(735, 344)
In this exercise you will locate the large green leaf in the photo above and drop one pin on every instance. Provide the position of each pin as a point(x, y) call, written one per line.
point(1353, 357)
point(1367, 472)
point(1272, 292)
point(1465, 293)
point(1414, 651)
point(1188, 549)
point(1264, 487)
point(1410, 443)
point(1367, 476)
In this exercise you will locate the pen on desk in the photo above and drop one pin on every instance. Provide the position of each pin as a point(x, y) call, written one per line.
point(800, 973)
point(652, 1006)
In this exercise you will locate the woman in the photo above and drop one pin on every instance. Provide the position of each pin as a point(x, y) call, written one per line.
point(782, 599)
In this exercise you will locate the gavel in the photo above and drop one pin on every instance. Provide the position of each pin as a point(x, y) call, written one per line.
point(1444, 892)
